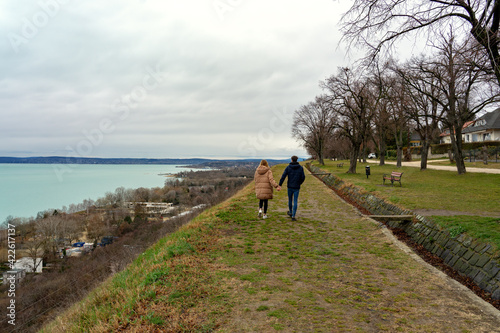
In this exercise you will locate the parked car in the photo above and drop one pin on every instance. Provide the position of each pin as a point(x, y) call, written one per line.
point(372, 155)
point(107, 240)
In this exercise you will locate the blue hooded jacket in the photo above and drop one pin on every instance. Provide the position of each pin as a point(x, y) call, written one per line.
point(296, 176)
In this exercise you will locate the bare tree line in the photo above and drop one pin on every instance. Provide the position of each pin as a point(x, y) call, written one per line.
point(380, 100)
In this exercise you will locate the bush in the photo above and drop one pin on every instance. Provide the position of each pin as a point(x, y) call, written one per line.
point(443, 148)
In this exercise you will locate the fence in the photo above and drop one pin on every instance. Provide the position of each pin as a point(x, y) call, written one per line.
point(492, 155)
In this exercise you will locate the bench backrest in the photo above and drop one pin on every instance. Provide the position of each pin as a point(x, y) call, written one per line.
point(396, 174)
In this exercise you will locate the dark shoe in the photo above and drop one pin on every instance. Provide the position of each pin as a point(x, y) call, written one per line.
point(294, 219)
point(289, 214)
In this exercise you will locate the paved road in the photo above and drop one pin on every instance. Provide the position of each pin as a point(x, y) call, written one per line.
point(440, 167)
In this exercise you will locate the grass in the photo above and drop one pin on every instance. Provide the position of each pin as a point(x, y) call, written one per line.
point(475, 193)
point(477, 164)
point(227, 271)
point(486, 229)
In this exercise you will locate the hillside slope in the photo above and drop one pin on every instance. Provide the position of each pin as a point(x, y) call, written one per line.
point(227, 271)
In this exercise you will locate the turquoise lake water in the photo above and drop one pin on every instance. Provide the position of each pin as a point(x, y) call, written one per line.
point(26, 189)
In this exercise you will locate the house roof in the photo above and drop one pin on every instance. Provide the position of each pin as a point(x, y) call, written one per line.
point(466, 125)
point(492, 121)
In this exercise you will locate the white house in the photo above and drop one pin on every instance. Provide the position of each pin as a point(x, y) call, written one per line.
point(485, 128)
point(445, 136)
point(29, 265)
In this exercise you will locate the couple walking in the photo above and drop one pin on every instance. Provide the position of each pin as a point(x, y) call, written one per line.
point(264, 183)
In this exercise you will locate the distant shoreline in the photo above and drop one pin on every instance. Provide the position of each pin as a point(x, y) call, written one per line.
point(158, 161)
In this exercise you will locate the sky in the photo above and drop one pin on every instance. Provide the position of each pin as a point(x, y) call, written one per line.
point(162, 79)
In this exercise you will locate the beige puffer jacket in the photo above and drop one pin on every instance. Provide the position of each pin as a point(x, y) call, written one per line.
point(264, 183)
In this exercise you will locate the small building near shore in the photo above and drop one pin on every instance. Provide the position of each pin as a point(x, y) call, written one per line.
point(29, 264)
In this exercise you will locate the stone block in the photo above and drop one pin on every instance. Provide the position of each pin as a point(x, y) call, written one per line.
point(468, 254)
point(479, 247)
point(492, 268)
point(445, 254)
point(461, 265)
point(496, 294)
point(456, 248)
point(483, 260)
point(467, 242)
point(453, 260)
point(489, 288)
point(479, 277)
point(451, 243)
point(473, 272)
point(462, 251)
point(486, 248)
point(474, 259)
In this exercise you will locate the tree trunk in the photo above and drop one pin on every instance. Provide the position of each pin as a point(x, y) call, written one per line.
point(383, 150)
point(353, 159)
point(399, 156)
point(456, 142)
point(320, 152)
point(399, 148)
point(424, 155)
point(485, 155)
point(450, 156)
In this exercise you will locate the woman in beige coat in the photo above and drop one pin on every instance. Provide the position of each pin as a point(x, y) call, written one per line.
point(264, 183)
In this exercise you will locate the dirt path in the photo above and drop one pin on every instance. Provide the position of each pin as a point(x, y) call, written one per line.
point(441, 167)
point(335, 270)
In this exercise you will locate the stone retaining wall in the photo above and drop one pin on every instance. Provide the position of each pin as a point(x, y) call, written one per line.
point(466, 255)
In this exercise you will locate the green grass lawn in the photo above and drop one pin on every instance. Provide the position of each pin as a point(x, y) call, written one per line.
point(475, 193)
point(477, 164)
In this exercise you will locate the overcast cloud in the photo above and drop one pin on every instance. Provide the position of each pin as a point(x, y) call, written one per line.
point(159, 79)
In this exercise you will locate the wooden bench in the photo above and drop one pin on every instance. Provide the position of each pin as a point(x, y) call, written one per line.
point(340, 165)
point(393, 177)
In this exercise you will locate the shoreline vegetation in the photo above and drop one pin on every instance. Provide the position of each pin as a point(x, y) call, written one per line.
point(67, 279)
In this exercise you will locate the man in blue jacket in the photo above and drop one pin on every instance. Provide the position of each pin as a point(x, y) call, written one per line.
point(296, 177)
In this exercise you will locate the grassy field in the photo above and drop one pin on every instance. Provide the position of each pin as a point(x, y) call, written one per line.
point(477, 164)
point(430, 189)
point(229, 271)
point(457, 197)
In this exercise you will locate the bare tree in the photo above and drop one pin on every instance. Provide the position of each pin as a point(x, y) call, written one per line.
point(352, 98)
point(313, 124)
point(48, 229)
point(459, 86)
point(425, 110)
point(34, 249)
point(96, 227)
point(379, 23)
point(382, 128)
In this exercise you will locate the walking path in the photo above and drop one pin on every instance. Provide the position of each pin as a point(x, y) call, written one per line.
point(335, 270)
point(440, 167)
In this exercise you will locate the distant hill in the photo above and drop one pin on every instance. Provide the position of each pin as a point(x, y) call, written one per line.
point(91, 160)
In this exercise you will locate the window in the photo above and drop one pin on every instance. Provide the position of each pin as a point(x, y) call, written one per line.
point(486, 136)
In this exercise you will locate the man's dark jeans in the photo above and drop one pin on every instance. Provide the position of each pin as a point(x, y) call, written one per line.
point(293, 193)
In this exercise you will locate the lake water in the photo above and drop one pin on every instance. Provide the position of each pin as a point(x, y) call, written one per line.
point(26, 189)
